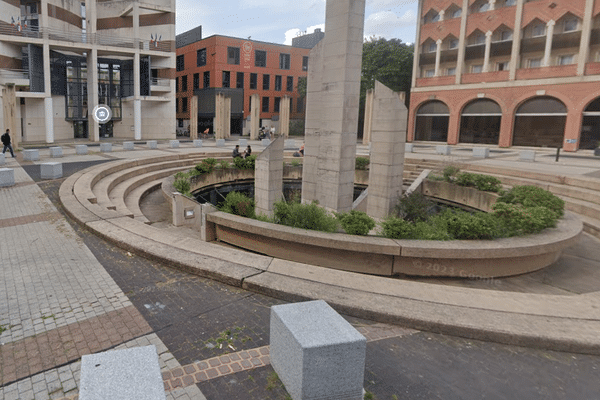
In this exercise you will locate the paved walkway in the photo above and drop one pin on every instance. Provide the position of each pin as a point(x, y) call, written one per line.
point(65, 293)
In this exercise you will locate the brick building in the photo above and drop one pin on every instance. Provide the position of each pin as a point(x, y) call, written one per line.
point(239, 68)
point(507, 72)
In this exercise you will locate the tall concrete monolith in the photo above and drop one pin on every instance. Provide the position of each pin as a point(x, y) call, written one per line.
point(219, 124)
point(388, 136)
point(368, 117)
point(254, 116)
point(268, 181)
point(332, 118)
point(194, 117)
point(284, 116)
point(9, 103)
point(227, 118)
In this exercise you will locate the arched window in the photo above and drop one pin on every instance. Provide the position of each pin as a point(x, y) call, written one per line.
point(590, 126)
point(432, 122)
point(480, 122)
point(540, 122)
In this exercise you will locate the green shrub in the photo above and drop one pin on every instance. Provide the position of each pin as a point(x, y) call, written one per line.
point(206, 166)
point(362, 163)
point(465, 179)
point(182, 185)
point(224, 164)
point(239, 204)
point(450, 173)
point(414, 207)
point(433, 229)
point(182, 175)
point(485, 183)
point(397, 228)
point(305, 216)
point(295, 163)
point(356, 222)
point(465, 226)
point(516, 220)
point(533, 196)
point(245, 163)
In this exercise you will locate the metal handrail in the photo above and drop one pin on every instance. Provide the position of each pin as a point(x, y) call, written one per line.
point(161, 82)
point(14, 73)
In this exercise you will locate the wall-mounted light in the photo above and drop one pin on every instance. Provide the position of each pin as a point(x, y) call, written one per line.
point(189, 213)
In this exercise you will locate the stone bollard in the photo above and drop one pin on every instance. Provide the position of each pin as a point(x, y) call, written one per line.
point(220, 142)
point(316, 353)
point(197, 143)
point(443, 149)
point(152, 144)
point(265, 142)
point(481, 152)
point(56, 152)
point(105, 147)
point(127, 145)
point(527, 155)
point(51, 170)
point(2, 159)
point(409, 147)
point(289, 144)
point(7, 177)
point(174, 144)
point(243, 143)
point(81, 149)
point(31, 155)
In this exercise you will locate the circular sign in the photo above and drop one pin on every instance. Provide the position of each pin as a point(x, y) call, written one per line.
point(102, 113)
point(247, 47)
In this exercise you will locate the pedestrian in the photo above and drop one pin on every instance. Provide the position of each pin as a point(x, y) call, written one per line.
point(236, 151)
point(6, 142)
point(248, 152)
point(272, 135)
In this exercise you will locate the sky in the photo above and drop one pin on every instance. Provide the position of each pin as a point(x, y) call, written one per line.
point(278, 21)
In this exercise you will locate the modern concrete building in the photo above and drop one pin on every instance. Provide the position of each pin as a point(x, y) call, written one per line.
point(507, 72)
point(309, 40)
point(47, 48)
point(238, 68)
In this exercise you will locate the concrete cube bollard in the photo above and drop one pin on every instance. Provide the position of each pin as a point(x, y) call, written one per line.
point(56, 152)
point(81, 149)
point(443, 149)
point(243, 143)
point(481, 152)
point(409, 147)
point(316, 353)
point(51, 170)
point(527, 155)
point(152, 144)
point(31, 155)
point(197, 143)
point(127, 145)
point(265, 142)
point(289, 144)
point(105, 147)
point(2, 159)
point(7, 177)
point(174, 144)
point(220, 142)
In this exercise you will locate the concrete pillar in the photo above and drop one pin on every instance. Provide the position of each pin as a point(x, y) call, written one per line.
point(438, 56)
point(515, 51)
point(137, 119)
point(462, 42)
point(254, 116)
point(492, 4)
point(193, 117)
point(548, 48)
point(368, 117)
point(9, 113)
point(268, 177)
point(488, 47)
point(387, 152)
point(92, 84)
point(417, 46)
point(284, 117)
point(341, 69)
point(586, 31)
point(219, 124)
point(442, 14)
point(48, 111)
point(227, 117)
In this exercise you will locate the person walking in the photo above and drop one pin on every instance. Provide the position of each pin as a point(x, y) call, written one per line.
point(6, 142)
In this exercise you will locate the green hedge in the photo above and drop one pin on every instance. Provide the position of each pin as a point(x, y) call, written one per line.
point(239, 204)
point(356, 222)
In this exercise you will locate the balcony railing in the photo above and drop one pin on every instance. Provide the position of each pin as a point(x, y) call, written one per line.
point(160, 82)
point(14, 74)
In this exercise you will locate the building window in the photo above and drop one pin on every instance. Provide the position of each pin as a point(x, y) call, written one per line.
point(304, 63)
point(502, 66)
point(538, 30)
point(476, 69)
point(260, 58)
point(509, 3)
point(278, 83)
point(570, 25)
point(180, 66)
point(184, 83)
point(233, 55)
point(566, 59)
point(479, 39)
point(176, 105)
point(457, 13)
point(483, 7)
point(284, 61)
point(534, 63)
point(291, 105)
point(201, 57)
point(226, 79)
point(265, 104)
point(429, 73)
point(453, 44)
point(300, 105)
point(240, 80)
point(253, 81)
point(432, 122)
point(276, 104)
point(290, 84)
point(480, 122)
point(196, 81)
point(206, 79)
point(435, 18)
point(451, 71)
point(505, 36)
point(266, 82)
point(249, 103)
point(176, 84)
point(184, 104)
point(431, 47)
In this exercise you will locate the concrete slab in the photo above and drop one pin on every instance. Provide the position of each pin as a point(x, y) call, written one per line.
point(31, 155)
point(174, 144)
point(56, 152)
point(152, 144)
point(105, 147)
point(197, 143)
point(51, 170)
point(220, 142)
point(2, 159)
point(481, 152)
point(81, 149)
point(7, 177)
point(127, 145)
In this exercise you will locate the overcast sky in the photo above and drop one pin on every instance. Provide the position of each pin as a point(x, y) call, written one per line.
point(278, 21)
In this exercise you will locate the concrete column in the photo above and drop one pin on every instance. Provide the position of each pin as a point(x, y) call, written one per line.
point(586, 31)
point(137, 119)
point(548, 48)
point(49, 119)
point(9, 108)
point(368, 117)
point(92, 84)
point(462, 42)
point(492, 4)
point(227, 117)
point(48, 112)
point(442, 14)
point(417, 46)
point(193, 117)
point(284, 117)
point(438, 56)
point(515, 55)
point(268, 178)
point(254, 116)
point(137, 101)
point(219, 124)
point(488, 47)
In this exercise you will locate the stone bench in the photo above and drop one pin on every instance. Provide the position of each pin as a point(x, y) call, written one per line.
point(105, 147)
point(443, 149)
point(527, 155)
point(316, 353)
point(220, 142)
point(197, 143)
point(31, 155)
point(56, 152)
point(127, 145)
point(7, 177)
point(409, 147)
point(128, 374)
point(152, 144)
point(51, 170)
point(174, 144)
point(290, 144)
point(81, 149)
point(243, 143)
point(481, 152)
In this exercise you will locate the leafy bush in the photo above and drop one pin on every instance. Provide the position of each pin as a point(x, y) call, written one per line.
point(433, 229)
point(515, 219)
point(182, 184)
point(356, 222)
point(224, 164)
point(397, 228)
point(295, 163)
point(414, 207)
point(450, 173)
point(481, 182)
point(305, 216)
point(362, 163)
point(533, 196)
point(245, 163)
point(465, 226)
point(206, 166)
point(239, 204)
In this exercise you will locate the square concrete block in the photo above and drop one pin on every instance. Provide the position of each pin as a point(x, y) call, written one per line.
point(31, 155)
point(51, 170)
point(129, 374)
point(7, 177)
point(197, 143)
point(220, 142)
point(443, 149)
point(409, 147)
point(174, 144)
point(265, 142)
point(2, 159)
point(81, 149)
point(481, 152)
point(317, 353)
point(290, 144)
point(243, 143)
point(127, 145)
point(105, 147)
point(56, 152)
point(152, 144)
point(527, 155)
